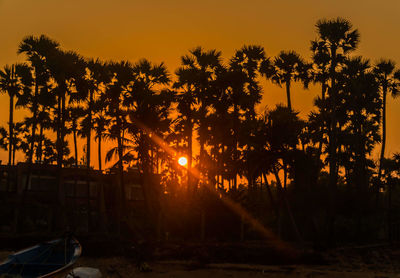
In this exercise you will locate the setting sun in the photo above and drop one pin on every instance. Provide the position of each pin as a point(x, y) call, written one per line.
point(182, 161)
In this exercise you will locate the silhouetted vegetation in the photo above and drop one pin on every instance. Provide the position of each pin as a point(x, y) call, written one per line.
point(306, 179)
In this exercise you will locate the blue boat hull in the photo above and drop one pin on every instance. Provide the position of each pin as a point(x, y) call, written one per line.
point(43, 260)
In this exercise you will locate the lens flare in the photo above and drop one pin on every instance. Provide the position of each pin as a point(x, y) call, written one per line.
point(182, 161)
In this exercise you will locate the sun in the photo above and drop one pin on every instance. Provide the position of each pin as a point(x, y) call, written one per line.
point(182, 161)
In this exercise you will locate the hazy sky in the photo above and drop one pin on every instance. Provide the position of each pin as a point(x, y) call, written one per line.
point(163, 30)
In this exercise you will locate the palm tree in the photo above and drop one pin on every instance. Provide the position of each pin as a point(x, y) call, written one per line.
point(320, 74)
point(389, 81)
point(96, 77)
point(100, 126)
point(286, 68)
point(203, 68)
point(337, 39)
point(244, 93)
point(73, 115)
point(45, 123)
point(8, 85)
point(21, 137)
point(13, 80)
point(148, 104)
point(185, 97)
point(360, 107)
point(270, 151)
point(359, 118)
point(37, 50)
point(3, 138)
point(121, 76)
point(67, 70)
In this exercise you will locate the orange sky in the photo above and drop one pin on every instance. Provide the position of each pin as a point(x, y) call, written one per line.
point(162, 31)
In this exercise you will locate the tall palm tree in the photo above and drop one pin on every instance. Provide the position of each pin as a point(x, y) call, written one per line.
point(389, 82)
point(3, 138)
point(37, 50)
point(202, 67)
point(14, 80)
point(336, 38)
point(74, 114)
point(67, 70)
point(21, 138)
point(244, 93)
point(45, 123)
point(8, 85)
point(361, 105)
point(359, 118)
point(320, 75)
point(101, 123)
point(286, 68)
point(121, 82)
point(96, 77)
point(185, 97)
point(148, 104)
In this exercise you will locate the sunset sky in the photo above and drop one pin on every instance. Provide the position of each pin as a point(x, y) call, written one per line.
point(163, 30)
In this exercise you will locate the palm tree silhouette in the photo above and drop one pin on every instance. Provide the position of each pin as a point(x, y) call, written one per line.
point(3, 138)
point(245, 93)
point(73, 115)
point(67, 70)
point(337, 39)
point(389, 81)
point(361, 112)
point(96, 77)
point(148, 104)
point(37, 49)
point(21, 138)
point(320, 74)
point(202, 67)
point(270, 151)
point(186, 99)
point(13, 80)
point(121, 76)
point(286, 68)
point(101, 123)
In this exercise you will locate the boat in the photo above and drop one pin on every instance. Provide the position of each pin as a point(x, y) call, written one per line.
point(48, 259)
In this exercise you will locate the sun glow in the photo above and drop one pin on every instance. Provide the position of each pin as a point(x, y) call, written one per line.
point(182, 161)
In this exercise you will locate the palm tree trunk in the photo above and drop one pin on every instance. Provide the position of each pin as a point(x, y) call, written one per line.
point(122, 201)
point(33, 134)
point(13, 153)
point(333, 170)
point(34, 123)
point(190, 153)
point(11, 117)
point(75, 146)
point(323, 92)
point(39, 151)
point(58, 143)
point(88, 136)
point(63, 109)
point(284, 175)
point(289, 103)
point(11, 129)
point(99, 151)
point(236, 141)
point(382, 155)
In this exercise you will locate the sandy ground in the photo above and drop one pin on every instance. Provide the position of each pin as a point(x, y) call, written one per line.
point(123, 267)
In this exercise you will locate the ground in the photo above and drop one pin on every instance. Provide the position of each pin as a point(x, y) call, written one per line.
point(346, 262)
point(121, 267)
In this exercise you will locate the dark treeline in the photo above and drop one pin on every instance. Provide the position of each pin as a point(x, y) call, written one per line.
point(315, 177)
